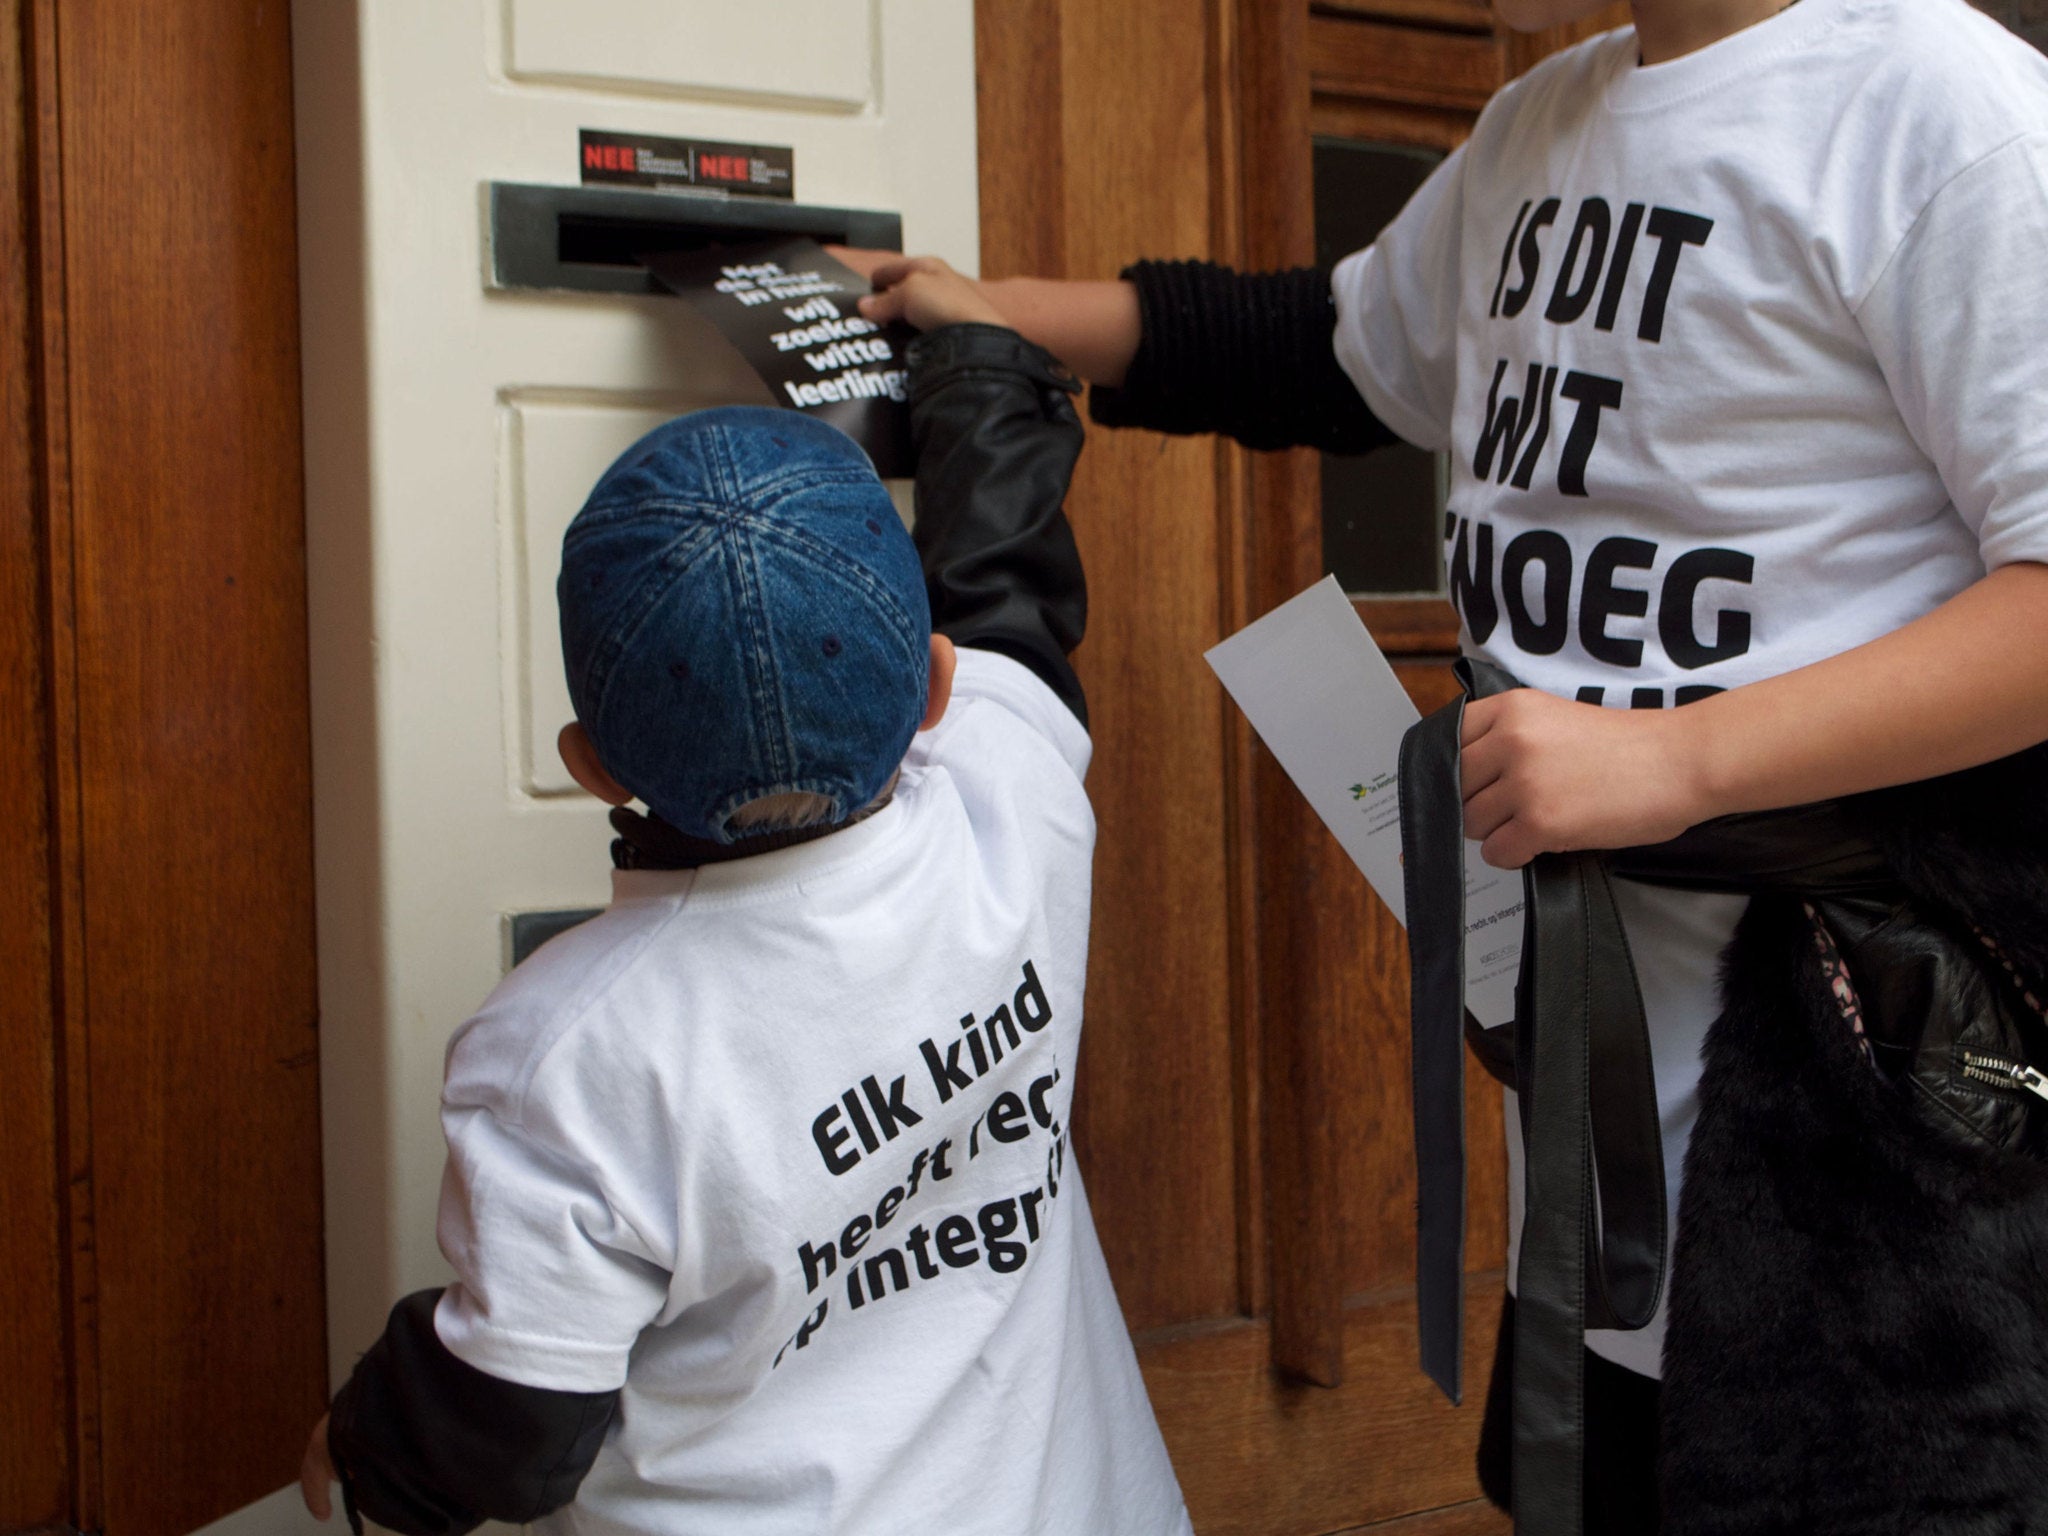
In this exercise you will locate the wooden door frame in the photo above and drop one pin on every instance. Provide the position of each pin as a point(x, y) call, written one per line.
point(1261, 1448)
point(161, 1140)
point(47, 1436)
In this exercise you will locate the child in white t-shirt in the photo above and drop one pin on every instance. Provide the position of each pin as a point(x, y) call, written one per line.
point(1732, 325)
point(758, 1193)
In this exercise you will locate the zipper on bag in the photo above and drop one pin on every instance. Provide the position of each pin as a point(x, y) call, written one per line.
point(2003, 1072)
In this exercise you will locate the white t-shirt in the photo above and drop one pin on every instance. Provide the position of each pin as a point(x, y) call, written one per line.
point(779, 1146)
point(1741, 360)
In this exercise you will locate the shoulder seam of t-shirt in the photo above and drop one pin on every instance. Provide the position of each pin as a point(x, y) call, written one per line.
point(1008, 673)
point(2017, 141)
point(556, 1030)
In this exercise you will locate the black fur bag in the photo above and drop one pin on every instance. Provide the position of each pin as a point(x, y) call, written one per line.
point(1858, 1339)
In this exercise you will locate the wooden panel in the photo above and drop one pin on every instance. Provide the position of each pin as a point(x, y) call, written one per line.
point(1235, 517)
point(1403, 64)
point(35, 1442)
point(1295, 1022)
point(1018, 117)
point(1259, 1460)
point(1477, 1518)
point(1411, 626)
point(1156, 1097)
point(1379, 122)
point(1526, 49)
point(1430, 684)
point(192, 745)
point(1462, 15)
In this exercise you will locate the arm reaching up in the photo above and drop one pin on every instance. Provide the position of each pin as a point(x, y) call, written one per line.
point(1091, 326)
point(1174, 346)
point(997, 437)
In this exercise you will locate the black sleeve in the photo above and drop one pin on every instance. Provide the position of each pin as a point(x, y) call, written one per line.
point(1248, 354)
point(428, 1445)
point(993, 420)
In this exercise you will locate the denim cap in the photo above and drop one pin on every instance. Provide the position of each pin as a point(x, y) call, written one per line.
point(744, 615)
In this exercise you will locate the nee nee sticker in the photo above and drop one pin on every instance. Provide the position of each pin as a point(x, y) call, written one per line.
point(686, 165)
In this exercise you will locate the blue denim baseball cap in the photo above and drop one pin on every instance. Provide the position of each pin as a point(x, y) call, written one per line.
point(744, 615)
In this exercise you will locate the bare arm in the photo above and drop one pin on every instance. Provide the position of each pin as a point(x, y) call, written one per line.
point(1959, 686)
point(1090, 326)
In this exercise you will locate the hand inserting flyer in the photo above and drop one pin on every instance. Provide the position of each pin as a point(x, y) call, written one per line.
point(790, 310)
point(1323, 699)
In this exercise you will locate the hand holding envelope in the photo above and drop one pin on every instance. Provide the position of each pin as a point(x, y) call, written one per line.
point(1323, 699)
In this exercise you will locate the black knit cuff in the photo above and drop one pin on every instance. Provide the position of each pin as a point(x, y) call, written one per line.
point(1247, 354)
point(428, 1445)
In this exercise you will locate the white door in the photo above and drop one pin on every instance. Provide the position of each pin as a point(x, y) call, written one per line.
point(452, 430)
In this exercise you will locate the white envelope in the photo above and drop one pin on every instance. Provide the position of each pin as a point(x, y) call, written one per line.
point(1323, 699)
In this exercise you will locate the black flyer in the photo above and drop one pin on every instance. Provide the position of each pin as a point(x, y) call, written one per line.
point(686, 165)
point(790, 309)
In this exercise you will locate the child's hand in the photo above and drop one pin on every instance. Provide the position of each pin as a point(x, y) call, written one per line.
point(316, 1473)
point(926, 292)
point(864, 261)
point(1093, 327)
point(1546, 775)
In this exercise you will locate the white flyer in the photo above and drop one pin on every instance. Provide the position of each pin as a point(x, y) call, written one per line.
point(1323, 699)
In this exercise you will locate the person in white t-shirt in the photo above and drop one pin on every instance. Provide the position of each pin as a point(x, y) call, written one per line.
point(1732, 326)
point(759, 1195)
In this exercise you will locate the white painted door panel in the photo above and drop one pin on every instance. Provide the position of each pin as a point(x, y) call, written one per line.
point(452, 431)
point(815, 52)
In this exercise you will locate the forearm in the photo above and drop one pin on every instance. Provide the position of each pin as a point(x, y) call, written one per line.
point(1960, 686)
point(1248, 355)
point(1093, 327)
point(1172, 346)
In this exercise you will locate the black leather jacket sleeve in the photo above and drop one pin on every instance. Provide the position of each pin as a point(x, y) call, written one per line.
point(1248, 354)
point(997, 436)
point(428, 1445)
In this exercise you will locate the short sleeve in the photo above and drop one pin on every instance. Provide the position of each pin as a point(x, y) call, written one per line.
point(558, 1267)
point(1397, 311)
point(1958, 322)
point(1016, 690)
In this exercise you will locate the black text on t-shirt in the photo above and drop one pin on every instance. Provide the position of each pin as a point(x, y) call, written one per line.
point(1595, 258)
point(867, 1117)
point(1535, 588)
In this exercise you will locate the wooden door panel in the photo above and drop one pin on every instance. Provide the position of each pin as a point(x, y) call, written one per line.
point(1368, 59)
point(1477, 1518)
point(1366, 1057)
point(193, 750)
point(1158, 1114)
point(1259, 1458)
point(1464, 15)
point(35, 1459)
point(159, 1142)
point(1244, 1119)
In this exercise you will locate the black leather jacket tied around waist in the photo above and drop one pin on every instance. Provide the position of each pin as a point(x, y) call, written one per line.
point(1878, 1016)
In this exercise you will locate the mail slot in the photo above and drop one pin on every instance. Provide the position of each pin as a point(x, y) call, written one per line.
point(589, 239)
